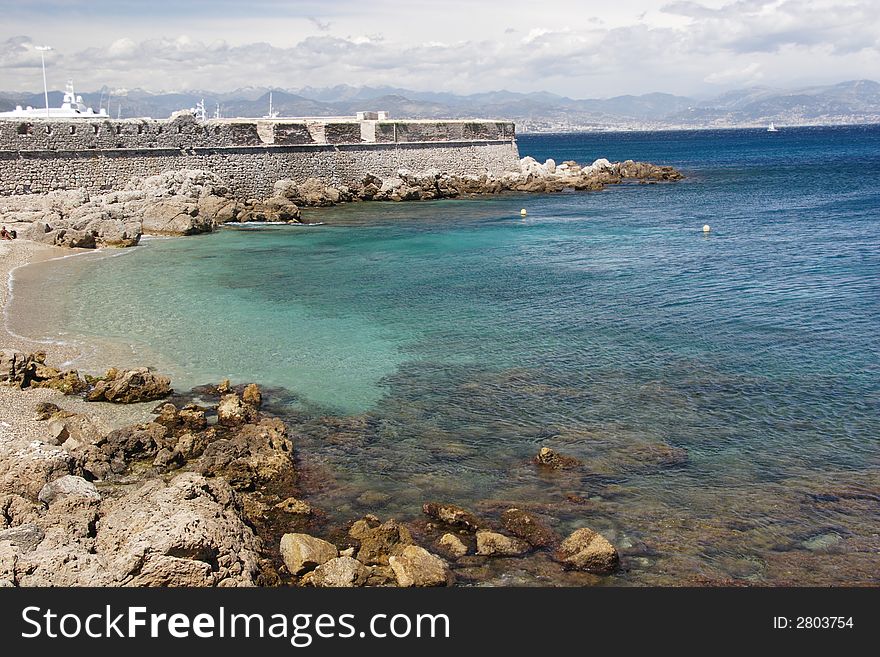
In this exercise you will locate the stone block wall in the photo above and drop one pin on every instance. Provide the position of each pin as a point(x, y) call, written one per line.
point(248, 172)
point(250, 155)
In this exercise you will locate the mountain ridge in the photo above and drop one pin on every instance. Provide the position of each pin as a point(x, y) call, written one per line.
point(852, 101)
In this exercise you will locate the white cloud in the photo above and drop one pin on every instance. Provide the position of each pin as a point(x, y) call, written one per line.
point(747, 75)
point(565, 47)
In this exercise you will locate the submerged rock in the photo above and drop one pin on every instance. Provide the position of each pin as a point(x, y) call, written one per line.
point(555, 461)
point(453, 515)
point(529, 527)
point(295, 507)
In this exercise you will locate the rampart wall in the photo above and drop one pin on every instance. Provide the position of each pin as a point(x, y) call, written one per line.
point(249, 155)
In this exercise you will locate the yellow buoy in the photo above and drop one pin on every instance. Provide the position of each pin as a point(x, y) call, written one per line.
point(706, 228)
point(523, 213)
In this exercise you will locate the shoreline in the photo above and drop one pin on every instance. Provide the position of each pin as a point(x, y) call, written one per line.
point(16, 406)
point(79, 494)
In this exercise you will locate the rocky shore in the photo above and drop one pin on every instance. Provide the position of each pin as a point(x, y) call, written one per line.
point(206, 493)
point(189, 202)
point(117, 480)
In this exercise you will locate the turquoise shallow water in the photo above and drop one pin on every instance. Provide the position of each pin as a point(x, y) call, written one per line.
point(713, 385)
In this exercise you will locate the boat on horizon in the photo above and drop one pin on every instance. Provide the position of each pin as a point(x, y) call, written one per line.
point(772, 128)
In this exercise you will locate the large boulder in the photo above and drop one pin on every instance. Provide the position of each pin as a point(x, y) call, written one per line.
point(175, 216)
point(130, 386)
point(588, 550)
point(188, 532)
point(302, 552)
point(415, 566)
point(26, 469)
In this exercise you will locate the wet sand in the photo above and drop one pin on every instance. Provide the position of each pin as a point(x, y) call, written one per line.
point(17, 425)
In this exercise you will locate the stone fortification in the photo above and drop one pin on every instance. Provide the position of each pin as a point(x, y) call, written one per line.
point(249, 155)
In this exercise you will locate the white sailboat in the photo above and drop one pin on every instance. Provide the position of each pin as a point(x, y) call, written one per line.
point(772, 128)
point(273, 114)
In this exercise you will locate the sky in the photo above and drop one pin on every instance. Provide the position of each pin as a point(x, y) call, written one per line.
point(582, 49)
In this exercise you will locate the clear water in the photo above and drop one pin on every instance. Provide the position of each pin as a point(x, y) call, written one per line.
point(428, 350)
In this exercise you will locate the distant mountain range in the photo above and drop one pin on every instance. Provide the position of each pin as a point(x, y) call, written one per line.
point(856, 101)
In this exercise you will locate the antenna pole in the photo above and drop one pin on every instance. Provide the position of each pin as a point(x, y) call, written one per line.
point(43, 50)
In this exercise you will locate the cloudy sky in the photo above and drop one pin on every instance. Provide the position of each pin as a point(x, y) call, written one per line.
point(581, 49)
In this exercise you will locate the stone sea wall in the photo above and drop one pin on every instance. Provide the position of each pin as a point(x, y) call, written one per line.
point(249, 156)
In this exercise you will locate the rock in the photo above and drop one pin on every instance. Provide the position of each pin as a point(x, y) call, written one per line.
point(359, 528)
point(190, 445)
point(45, 410)
point(186, 533)
point(555, 461)
point(232, 410)
point(24, 537)
point(415, 566)
point(295, 507)
point(452, 515)
point(224, 387)
point(341, 572)
point(252, 395)
point(130, 386)
point(68, 485)
point(56, 432)
point(168, 417)
point(16, 368)
point(452, 545)
point(588, 550)
point(17, 510)
point(377, 544)
point(68, 383)
point(27, 469)
point(255, 454)
point(302, 552)
point(167, 459)
point(494, 544)
point(133, 442)
point(529, 527)
point(373, 498)
point(192, 418)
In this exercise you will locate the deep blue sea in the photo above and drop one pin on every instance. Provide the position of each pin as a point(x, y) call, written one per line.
point(722, 389)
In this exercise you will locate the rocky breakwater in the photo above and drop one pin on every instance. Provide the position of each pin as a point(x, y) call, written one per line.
point(192, 201)
point(432, 184)
point(183, 202)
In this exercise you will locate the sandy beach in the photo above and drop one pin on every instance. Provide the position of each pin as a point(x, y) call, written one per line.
point(17, 426)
